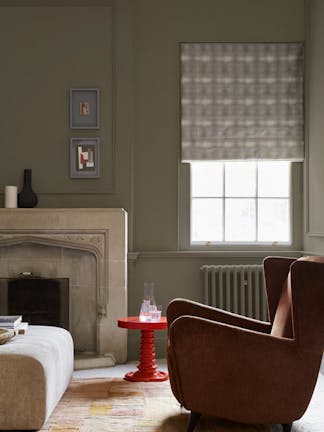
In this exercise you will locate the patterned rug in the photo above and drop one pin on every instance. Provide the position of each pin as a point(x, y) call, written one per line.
point(115, 405)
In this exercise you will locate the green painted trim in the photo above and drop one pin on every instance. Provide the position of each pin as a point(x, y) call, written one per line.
point(160, 255)
point(55, 3)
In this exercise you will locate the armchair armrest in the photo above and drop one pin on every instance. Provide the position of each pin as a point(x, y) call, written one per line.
point(179, 307)
point(276, 270)
point(239, 374)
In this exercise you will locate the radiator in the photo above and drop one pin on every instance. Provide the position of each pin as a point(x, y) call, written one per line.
point(236, 288)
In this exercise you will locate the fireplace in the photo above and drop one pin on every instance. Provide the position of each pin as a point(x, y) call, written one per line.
point(87, 248)
point(40, 301)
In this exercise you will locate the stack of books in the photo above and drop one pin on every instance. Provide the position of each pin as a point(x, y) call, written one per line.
point(10, 321)
point(13, 322)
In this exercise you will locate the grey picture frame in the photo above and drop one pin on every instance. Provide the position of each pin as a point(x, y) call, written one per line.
point(85, 157)
point(84, 108)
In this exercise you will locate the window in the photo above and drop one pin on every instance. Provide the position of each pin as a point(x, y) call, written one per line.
point(242, 141)
point(240, 202)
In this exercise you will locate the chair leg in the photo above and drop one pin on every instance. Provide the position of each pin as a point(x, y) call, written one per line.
point(286, 427)
point(193, 420)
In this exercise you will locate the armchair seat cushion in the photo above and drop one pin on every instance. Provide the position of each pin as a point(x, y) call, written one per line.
point(35, 370)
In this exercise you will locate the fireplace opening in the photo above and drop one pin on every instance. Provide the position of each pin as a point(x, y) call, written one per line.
point(40, 301)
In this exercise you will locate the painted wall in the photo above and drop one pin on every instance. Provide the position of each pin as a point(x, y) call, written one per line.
point(159, 28)
point(51, 49)
point(47, 47)
point(130, 50)
point(314, 178)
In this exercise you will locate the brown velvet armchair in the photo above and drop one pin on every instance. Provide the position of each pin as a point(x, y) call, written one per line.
point(244, 370)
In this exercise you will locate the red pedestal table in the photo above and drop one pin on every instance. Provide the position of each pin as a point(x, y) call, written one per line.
point(147, 367)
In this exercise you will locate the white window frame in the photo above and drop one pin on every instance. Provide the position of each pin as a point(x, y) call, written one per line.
point(295, 215)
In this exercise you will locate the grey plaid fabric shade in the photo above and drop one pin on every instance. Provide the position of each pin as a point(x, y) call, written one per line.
point(242, 101)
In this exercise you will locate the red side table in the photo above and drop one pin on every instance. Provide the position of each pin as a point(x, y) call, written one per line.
point(147, 368)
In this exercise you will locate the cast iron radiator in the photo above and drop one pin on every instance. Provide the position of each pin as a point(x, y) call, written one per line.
point(236, 288)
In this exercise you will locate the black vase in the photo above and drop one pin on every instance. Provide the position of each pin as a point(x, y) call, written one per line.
point(27, 197)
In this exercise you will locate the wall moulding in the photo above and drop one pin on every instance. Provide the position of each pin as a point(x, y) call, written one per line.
point(230, 254)
point(24, 20)
point(57, 3)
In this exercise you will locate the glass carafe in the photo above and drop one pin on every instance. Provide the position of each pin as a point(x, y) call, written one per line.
point(148, 303)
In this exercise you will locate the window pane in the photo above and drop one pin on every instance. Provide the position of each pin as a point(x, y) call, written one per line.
point(206, 220)
point(206, 179)
point(240, 220)
point(240, 179)
point(273, 179)
point(273, 220)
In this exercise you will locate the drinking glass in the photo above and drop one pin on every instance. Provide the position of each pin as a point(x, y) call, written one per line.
point(156, 313)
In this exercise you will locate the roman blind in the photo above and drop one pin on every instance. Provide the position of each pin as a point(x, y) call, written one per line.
point(242, 101)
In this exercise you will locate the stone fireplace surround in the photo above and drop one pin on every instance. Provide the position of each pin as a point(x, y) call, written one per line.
point(87, 246)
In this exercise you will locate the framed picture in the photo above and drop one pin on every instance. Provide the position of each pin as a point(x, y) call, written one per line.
point(85, 157)
point(84, 108)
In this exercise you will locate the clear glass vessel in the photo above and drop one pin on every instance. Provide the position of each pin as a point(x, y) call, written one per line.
point(148, 303)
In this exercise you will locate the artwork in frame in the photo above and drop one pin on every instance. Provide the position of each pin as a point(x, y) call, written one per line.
point(84, 108)
point(85, 157)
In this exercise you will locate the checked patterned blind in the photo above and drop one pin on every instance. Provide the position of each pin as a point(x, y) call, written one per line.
point(242, 101)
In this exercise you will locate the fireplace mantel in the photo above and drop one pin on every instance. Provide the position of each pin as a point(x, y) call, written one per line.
point(100, 233)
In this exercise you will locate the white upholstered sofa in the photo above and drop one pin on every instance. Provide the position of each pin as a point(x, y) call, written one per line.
point(35, 370)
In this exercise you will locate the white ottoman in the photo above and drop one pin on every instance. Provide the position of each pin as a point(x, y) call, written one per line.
point(35, 370)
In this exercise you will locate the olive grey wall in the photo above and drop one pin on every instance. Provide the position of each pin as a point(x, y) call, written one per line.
point(129, 49)
point(47, 47)
point(314, 178)
point(159, 28)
